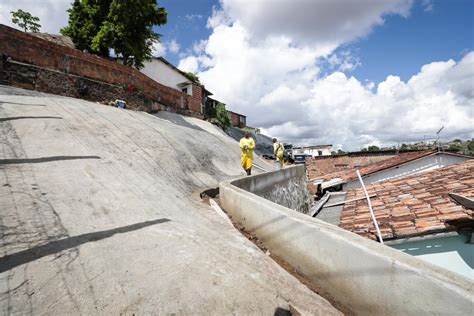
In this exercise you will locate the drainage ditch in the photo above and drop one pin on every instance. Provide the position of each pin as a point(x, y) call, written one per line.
point(213, 193)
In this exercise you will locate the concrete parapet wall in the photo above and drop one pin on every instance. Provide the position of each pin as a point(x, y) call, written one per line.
point(287, 187)
point(366, 277)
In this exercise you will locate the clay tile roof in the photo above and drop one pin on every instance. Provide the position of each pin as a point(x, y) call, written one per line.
point(414, 205)
point(347, 175)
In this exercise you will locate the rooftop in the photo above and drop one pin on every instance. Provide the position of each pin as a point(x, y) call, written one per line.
point(236, 113)
point(313, 146)
point(347, 175)
point(414, 205)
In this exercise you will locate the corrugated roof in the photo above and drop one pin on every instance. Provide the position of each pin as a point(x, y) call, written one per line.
point(413, 205)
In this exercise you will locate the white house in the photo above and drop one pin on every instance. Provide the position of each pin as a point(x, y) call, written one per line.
point(162, 71)
point(314, 151)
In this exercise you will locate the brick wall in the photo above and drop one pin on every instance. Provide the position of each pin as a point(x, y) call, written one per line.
point(196, 99)
point(235, 119)
point(319, 166)
point(52, 58)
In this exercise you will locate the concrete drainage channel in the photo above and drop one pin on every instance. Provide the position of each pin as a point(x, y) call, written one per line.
point(363, 276)
point(211, 196)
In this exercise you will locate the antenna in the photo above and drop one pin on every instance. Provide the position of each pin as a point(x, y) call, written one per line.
point(437, 139)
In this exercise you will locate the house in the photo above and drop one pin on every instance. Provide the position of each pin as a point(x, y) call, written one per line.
point(313, 151)
point(237, 119)
point(162, 71)
point(404, 164)
point(428, 213)
point(321, 165)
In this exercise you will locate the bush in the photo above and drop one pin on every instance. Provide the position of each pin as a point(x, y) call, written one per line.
point(222, 116)
point(455, 147)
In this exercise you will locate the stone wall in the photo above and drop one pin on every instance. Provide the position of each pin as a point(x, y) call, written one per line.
point(287, 187)
point(58, 68)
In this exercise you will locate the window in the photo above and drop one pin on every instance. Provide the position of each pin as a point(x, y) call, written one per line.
point(320, 152)
point(184, 90)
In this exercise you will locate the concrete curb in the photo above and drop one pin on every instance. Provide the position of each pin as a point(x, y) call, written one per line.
point(366, 277)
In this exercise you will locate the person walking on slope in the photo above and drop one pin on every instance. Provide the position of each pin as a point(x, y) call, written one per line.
point(278, 151)
point(247, 145)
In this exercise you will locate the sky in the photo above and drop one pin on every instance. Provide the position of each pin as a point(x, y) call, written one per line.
point(349, 73)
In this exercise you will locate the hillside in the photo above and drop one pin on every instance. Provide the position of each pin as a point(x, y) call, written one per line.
point(100, 214)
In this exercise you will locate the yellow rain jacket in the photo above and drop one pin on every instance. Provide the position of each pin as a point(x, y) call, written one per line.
point(278, 150)
point(247, 154)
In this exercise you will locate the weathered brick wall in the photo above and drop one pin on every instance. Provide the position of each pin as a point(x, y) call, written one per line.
point(32, 50)
point(44, 80)
point(234, 118)
point(196, 99)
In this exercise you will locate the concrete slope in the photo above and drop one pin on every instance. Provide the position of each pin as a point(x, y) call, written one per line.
point(99, 214)
point(263, 143)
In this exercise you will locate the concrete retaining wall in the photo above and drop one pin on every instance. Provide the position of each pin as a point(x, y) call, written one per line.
point(287, 187)
point(366, 277)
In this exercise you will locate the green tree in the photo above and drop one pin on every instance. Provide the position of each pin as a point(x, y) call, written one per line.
point(373, 148)
point(192, 77)
point(404, 147)
point(126, 26)
point(85, 19)
point(26, 21)
point(470, 146)
point(455, 147)
point(222, 116)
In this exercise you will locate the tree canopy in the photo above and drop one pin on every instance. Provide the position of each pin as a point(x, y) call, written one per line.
point(126, 26)
point(371, 148)
point(222, 116)
point(26, 21)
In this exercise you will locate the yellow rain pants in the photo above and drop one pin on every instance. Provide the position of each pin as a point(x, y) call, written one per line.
point(279, 150)
point(247, 152)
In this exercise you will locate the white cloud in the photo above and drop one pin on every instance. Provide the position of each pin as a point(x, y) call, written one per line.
point(173, 46)
point(263, 59)
point(193, 17)
point(320, 22)
point(427, 5)
point(189, 64)
point(158, 49)
point(342, 110)
point(343, 61)
point(52, 13)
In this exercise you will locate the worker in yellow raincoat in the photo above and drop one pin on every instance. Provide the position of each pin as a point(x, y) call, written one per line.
point(247, 145)
point(278, 151)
